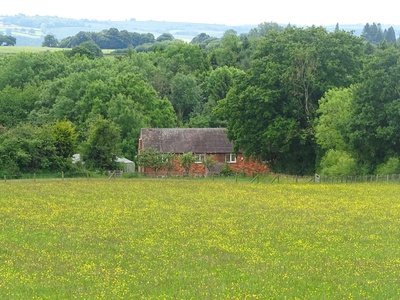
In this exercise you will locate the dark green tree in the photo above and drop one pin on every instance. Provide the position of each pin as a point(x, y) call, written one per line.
point(390, 35)
point(270, 111)
point(373, 33)
point(216, 87)
point(186, 95)
point(7, 40)
point(16, 104)
point(227, 54)
point(92, 47)
point(81, 51)
point(127, 114)
point(101, 147)
point(78, 39)
point(373, 130)
point(28, 148)
point(165, 37)
point(50, 41)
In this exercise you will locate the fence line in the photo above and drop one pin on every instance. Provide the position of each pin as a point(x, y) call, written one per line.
point(238, 177)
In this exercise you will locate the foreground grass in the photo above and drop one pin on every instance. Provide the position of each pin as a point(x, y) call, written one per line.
point(202, 240)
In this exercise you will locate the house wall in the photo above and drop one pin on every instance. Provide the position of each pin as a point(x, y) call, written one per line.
point(249, 167)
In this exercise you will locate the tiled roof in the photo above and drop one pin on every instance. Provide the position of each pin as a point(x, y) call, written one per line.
point(183, 140)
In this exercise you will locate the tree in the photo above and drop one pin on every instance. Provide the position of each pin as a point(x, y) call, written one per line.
point(65, 139)
point(186, 160)
point(216, 87)
point(263, 29)
point(7, 40)
point(338, 163)
point(185, 95)
point(50, 41)
point(373, 33)
point(227, 54)
point(270, 110)
point(335, 110)
point(28, 148)
point(203, 40)
point(165, 37)
point(127, 114)
point(155, 160)
point(391, 166)
point(101, 147)
point(78, 39)
point(390, 35)
point(209, 162)
point(185, 58)
point(92, 47)
point(373, 133)
point(16, 104)
point(81, 52)
point(199, 39)
point(17, 70)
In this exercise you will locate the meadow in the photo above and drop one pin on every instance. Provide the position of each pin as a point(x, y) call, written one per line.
point(161, 239)
point(28, 49)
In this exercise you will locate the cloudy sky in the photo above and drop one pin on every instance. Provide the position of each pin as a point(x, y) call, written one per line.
point(296, 12)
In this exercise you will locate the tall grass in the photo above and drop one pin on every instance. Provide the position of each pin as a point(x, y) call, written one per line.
point(198, 240)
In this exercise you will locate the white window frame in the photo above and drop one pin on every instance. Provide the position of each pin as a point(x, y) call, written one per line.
point(199, 158)
point(230, 158)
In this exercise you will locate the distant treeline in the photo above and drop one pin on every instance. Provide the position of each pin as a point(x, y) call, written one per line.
point(374, 34)
point(122, 39)
point(109, 39)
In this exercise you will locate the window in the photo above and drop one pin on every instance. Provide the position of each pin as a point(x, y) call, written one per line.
point(230, 158)
point(199, 158)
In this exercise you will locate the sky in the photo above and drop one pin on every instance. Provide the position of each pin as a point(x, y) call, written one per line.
point(227, 12)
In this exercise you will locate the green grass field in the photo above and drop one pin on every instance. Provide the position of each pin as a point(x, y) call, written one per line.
point(149, 239)
point(17, 49)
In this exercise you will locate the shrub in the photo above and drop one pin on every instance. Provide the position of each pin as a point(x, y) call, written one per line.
point(391, 166)
point(227, 171)
point(338, 163)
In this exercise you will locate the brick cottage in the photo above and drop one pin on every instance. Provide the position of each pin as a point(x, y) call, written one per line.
point(202, 142)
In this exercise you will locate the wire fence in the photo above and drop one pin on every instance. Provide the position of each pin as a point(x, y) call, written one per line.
point(58, 175)
point(238, 177)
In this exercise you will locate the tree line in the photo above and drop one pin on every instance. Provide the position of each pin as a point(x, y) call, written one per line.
point(7, 40)
point(303, 100)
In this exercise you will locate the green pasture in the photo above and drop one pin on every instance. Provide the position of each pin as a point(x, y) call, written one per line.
point(17, 49)
point(193, 239)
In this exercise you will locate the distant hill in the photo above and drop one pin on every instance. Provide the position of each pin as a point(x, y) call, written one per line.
point(30, 30)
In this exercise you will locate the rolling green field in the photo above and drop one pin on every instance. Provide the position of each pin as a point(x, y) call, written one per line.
point(149, 239)
point(17, 49)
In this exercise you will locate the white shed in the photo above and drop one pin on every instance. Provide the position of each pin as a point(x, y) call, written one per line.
point(129, 166)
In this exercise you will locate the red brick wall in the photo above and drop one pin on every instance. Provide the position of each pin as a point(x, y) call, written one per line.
point(249, 167)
